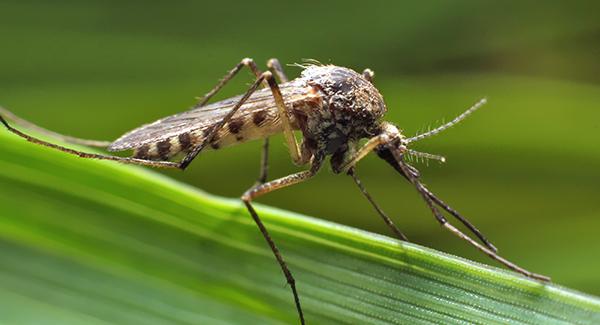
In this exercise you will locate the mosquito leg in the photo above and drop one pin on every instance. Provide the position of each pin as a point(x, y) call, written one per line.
point(368, 74)
point(454, 230)
point(165, 164)
point(460, 218)
point(275, 68)
point(103, 144)
point(362, 152)
point(385, 218)
point(288, 132)
point(65, 138)
point(255, 192)
point(389, 157)
point(246, 62)
point(211, 135)
point(264, 163)
point(125, 160)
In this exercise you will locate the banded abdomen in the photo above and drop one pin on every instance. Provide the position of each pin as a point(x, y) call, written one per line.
point(257, 118)
point(258, 125)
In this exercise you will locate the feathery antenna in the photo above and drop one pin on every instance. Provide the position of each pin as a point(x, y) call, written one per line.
point(425, 155)
point(443, 127)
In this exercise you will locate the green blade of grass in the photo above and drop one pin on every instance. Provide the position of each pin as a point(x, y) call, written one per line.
point(92, 242)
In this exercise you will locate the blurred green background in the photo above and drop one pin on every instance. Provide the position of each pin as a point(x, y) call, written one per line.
point(525, 169)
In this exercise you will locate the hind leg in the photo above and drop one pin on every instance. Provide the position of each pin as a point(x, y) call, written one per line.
point(65, 138)
point(146, 162)
point(125, 160)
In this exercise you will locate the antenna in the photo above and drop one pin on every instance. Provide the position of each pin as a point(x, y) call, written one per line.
point(426, 155)
point(443, 127)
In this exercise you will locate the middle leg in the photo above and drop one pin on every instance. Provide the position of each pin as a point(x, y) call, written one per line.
point(259, 190)
point(275, 68)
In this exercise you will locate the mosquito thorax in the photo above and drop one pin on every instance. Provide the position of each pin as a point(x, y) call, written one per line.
point(351, 107)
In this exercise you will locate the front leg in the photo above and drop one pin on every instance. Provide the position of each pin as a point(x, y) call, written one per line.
point(398, 156)
point(354, 158)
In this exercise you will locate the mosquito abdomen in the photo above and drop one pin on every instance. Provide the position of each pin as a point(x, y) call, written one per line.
point(257, 125)
point(166, 148)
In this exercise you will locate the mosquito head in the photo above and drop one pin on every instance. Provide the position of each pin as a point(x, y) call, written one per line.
point(394, 141)
point(394, 148)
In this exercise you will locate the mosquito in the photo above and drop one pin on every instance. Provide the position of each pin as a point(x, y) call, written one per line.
point(332, 107)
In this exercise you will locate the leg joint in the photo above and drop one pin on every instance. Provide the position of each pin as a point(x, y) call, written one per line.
point(247, 196)
point(272, 63)
point(268, 76)
point(247, 61)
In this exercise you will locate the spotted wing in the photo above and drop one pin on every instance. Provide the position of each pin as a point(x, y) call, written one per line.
point(259, 111)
